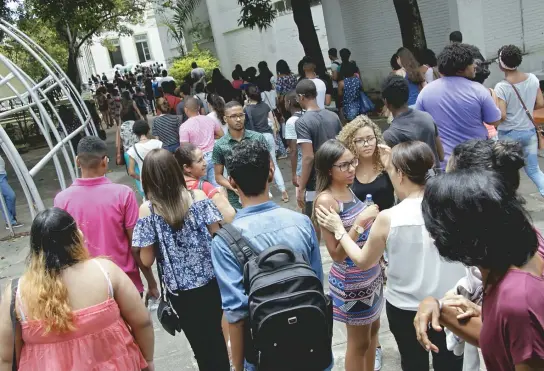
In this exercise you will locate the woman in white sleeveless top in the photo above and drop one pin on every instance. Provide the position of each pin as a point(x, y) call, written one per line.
point(415, 267)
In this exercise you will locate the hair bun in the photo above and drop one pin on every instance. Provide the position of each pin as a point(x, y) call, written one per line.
point(508, 154)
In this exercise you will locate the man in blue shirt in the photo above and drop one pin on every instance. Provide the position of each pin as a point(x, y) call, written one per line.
point(263, 224)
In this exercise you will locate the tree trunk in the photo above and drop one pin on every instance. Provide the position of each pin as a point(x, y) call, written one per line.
point(73, 68)
point(302, 14)
point(411, 25)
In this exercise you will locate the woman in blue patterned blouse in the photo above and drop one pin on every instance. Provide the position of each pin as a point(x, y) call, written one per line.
point(180, 223)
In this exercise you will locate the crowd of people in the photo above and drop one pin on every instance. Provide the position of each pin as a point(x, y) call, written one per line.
point(423, 219)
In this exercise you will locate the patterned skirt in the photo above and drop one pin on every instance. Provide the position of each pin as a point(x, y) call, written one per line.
point(357, 295)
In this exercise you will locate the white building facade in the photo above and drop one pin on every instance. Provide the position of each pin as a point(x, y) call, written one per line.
point(149, 43)
point(238, 45)
point(370, 29)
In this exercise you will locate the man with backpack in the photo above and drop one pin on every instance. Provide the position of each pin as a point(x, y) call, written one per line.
point(268, 266)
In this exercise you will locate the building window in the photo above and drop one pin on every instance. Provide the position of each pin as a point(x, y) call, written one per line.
point(116, 57)
point(142, 46)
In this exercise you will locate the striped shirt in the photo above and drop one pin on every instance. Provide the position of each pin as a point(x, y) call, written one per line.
point(200, 131)
point(165, 127)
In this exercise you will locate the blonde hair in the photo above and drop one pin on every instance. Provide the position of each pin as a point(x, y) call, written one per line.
point(347, 136)
point(44, 294)
point(163, 105)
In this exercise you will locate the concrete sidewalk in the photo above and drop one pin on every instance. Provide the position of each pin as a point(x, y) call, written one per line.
point(174, 353)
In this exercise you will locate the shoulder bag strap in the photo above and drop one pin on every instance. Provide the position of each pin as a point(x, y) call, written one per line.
point(158, 251)
point(14, 286)
point(138, 154)
point(239, 246)
point(527, 112)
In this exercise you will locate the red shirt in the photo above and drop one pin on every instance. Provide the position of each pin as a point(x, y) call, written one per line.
point(207, 188)
point(172, 102)
point(236, 84)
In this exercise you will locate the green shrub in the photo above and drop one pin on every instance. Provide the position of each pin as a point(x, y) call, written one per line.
point(203, 58)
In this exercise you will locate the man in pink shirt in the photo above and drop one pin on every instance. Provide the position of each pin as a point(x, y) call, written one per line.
point(201, 131)
point(105, 212)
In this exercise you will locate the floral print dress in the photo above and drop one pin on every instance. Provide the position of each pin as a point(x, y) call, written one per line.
point(352, 88)
point(285, 84)
point(185, 253)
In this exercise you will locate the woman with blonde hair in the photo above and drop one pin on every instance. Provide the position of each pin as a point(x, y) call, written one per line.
point(361, 137)
point(357, 295)
point(166, 126)
point(175, 227)
point(73, 312)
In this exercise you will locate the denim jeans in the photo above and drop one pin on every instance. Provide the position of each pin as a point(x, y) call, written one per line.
point(529, 142)
point(9, 197)
point(278, 178)
point(210, 172)
point(172, 147)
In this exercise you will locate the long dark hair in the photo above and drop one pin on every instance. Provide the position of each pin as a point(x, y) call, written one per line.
point(414, 160)
point(410, 65)
point(325, 158)
point(282, 68)
point(164, 186)
point(184, 154)
point(218, 104)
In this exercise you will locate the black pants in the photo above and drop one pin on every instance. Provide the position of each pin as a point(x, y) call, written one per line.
point(200, 314)
point(413, 356)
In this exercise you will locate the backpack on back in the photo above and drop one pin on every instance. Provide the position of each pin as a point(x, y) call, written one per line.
point(290, 319)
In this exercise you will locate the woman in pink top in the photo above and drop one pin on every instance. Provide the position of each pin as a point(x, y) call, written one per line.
point(73, 312)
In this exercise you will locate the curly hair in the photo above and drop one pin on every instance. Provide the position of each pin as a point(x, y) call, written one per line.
point(249, 166)
point(454, 203)
point(454, 58)
point(347, 135)
point(511, 56)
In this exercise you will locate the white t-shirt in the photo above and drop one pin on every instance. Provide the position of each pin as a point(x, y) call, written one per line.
point(165, 79)
point(213, 116)
point(2, 166)
point(516, 117)
point(321, 92)
point(429, 75)
point(415, 269)
point(142, 149)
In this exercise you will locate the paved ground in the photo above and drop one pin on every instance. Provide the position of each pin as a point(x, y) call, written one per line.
point(174, 353)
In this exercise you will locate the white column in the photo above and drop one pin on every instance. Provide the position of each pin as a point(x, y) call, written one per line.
point(470, 16)
point(334, 24)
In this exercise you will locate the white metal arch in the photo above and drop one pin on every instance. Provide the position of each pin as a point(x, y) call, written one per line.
point(30, 96)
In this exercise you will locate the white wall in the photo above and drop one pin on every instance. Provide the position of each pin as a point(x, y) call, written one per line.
point(372, 32)
point(235, 44)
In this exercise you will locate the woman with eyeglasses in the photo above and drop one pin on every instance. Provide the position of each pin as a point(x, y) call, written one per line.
point(357, 294)
point(415, 267)
point(361, 137)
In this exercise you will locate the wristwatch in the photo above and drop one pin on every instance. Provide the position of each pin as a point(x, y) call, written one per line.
point(360, 230)
point(339, 235)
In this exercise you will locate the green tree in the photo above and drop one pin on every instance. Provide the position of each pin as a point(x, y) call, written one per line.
point(411, 24)
point(182, 12)
point(77, 21)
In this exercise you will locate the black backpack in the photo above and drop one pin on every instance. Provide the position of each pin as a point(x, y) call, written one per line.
point(290, 319)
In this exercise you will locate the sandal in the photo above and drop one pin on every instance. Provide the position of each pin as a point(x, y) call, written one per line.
point(285, 197)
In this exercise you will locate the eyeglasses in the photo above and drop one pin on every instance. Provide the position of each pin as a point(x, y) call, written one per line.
point(299, 97)
point(365, 141)
point(236, 117)
point(344, 166)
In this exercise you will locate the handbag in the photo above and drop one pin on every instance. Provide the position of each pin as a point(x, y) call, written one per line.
point(166, 314)
point(365, 104)
point(120, 155)
point(14, 285)
point(539, 131)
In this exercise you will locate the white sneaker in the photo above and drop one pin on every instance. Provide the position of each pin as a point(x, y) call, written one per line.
point(378, 359)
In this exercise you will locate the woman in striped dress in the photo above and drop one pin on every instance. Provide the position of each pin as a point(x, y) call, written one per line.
point(357, 294)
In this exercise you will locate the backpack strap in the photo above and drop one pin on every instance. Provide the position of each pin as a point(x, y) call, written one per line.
point(14, 287)
point(239, 246)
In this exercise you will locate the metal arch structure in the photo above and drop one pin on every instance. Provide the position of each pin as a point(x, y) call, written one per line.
point(27, 95)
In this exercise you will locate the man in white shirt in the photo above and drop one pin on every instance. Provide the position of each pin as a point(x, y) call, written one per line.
point(9, 197)
point(323, 99)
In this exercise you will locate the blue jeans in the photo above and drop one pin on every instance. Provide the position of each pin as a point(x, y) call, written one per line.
point(278, 178)
point(210, 172)
point(172, 147)
point(9, 197)
point(529, 142)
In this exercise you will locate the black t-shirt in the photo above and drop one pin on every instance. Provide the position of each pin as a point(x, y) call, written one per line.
point(257, 118)
point(413, 125)
point(381, 189)
point(317, 127)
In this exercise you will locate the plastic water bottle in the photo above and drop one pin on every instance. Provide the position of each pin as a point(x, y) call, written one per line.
point(368, 200)
point(153, 304)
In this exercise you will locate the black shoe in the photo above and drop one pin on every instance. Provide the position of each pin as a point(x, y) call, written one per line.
point(16, 225)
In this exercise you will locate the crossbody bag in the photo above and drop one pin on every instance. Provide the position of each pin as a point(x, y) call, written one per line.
point(539, 131)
